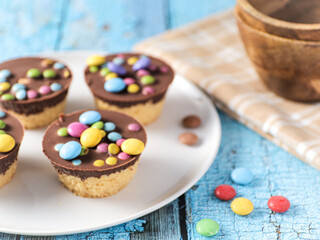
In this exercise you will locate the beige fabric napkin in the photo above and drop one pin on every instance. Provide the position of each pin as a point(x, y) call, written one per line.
point(210, 53)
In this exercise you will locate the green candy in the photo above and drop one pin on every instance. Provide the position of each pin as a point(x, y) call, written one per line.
point(33, 73)
point(104, 71)
point(2, 124)
point(7, 97)
point(62, 132)
point(207, 227)
point(148, 80)
point(93, 69)
point(98, 125)
point(2, 132)
point(84, 151)
point(49, 73)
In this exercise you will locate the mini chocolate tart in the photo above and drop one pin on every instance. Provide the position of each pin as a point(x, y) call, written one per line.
point(95, 152)
point(130, 83)
point(34, 89)
point(11, 134)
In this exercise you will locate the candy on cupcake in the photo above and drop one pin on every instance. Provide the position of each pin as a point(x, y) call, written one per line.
point(34, 89)
point(95, 152)
point(130, 83)
point(11, 134)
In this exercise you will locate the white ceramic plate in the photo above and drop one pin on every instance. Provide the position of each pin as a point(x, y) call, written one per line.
point(35, 203)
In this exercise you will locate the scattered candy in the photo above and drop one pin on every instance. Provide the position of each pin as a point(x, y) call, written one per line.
point(132, 146)
point(241, 176)
point(17, 86)
point(113, 149)
point(188, 138)
point(128, 81)
point(84, 151)
point(2, 124)
point(114, 85)
point(111, 161)
point(70, 150)
point(114, 136)
point(76, 162)
point(132, 60)
point(147, 90)
point(75, 129)
point(133, 88)
point(148, 80)
point(134, 127)
point(7, 97)
point(58, 65)
point(58, 146)
point(98, 163)
point(95, 60)
point(191, 121)
point(62, 132)
point(2, 114)
point(104, 71)
point(123, 156)
point(93, 69)
point(111, 76)
point(90, 117)
point(4, 86)
point(118, 60)
point(5, 73)
point(49, 73)
point(98, 125)
point(103, 147)
point(142, 63)
point(33, 73)
point(7, 143)
point(142, 72)
point(44, 90)
point(242, 206)
point(21, 94)
point(120, 141)
point(55, 87)
point(90, 137)
point(279, 204)
point(109, 126)
point(207, 227)
point(32, 94)
point(225, 192)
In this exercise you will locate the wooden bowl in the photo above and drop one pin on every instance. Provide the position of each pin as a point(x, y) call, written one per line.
point(289, 68)
point(295, 19)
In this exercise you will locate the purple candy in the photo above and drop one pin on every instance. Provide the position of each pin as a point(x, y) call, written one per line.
point(44, 90)
point(120, 141)
point(32, 94)
point(141, 64)
point(164, 69)
point(142, 72)
point(116, 68)
point(103, 147)
point(128, 81)
point(147, 90)
point(123, 156)
point(75, 129)
point(134, 127)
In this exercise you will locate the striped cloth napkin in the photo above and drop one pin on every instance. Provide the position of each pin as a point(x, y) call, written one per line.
point(210, 53)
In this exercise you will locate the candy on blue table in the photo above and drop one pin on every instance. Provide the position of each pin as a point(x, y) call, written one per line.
point(241, 176)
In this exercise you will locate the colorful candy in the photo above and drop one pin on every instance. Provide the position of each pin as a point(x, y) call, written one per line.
point(47, 62)
point(91, 137)
point(66, 73)
point(103, 147)
point(95, 60)
point(142, 63)
point(103, 133)
point(242, 206)
point(70, 150)
point(113, 149)
point(75, 129)
point(62, 132)
point(98, 125)
point(123, 156)
point(134, 127)
point(49, 73)
point(114, 85)
point(98, 163)
point(164, 69)
point(58, 146)
point(2, 132)
point(128, 81)
point(132, 60)
point(2, 114)
point(111, 76)
point(55, 87)
point(2, 124)
point(32, 94)
point(148, 80)
point(84, 151)
point(21, 94)
point(241, 176)
point(44, 90)
point(76, 162)
point(33, 73)
point(7, 97)
point(225, 192)
point(114, 136)
point(120, 141)
point(133, 88)
point(207, 227)
point(116, 68)
point(279, 204)
point(7, 143)
point(147, 90)
point(118, 60)
point(90, 117)
point(104, 71)
point(111, 161)
point(5, 73)
point(17, 86)
point(4, 86)
point(93, 69)
point(132, 146)
point(109, 126)
point(142, 72)
point(58, 66)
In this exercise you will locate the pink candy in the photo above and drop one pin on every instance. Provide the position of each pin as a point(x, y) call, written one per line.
point(147, 90)
point(120, 141)
point(142, 72)
point(128, 81)
point(134, 127)
point(44, 90)
point(103, 147)
point(152, 68)
point(32, 94)
point(75, 129)
point(123, 156)
point(164, 69)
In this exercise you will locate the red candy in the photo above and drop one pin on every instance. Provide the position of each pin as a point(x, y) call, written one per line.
point(225, 192)
point(278, 204)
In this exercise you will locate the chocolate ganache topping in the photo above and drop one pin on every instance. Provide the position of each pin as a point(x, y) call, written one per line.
point(128, 79)
point(93, 143)
point(28, 85)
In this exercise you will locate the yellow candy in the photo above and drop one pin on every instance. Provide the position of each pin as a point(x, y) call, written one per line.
point(242, 206)
point(132, 60)
point(111, 161)
point(132, 146)
point(110, 76)
point(95, 60)
point(90, 137)
point(113, 148)
point(103, 133)
point(7, 143)
point(133, 88)
point(98, 163)
point(4, 86)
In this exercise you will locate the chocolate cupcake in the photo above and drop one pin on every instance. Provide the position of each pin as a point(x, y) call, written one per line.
point(130, 83)
point(11, 134)
point(95, 152)
point(34, 89)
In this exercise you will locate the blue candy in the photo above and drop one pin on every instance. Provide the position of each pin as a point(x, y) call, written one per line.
point(17, 86)
point(115, 85)
point(90, 117)
point(118, 60)
point(2, 79)
point(241, 176)
point(105, 65)
point(5, 73)
point(109, 126)
point(70, 150)
point(116, 68)
point(114, 136)
point(76, 162)
point(58, 146)
point(55, 87)
point(142, 63)
point(21, 94)
point(58, 65)
point(2, 114)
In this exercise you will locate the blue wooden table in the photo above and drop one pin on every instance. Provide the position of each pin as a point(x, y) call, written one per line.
point(28, 27)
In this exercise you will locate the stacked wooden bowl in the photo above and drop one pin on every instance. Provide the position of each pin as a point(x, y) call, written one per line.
point(282, 40)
